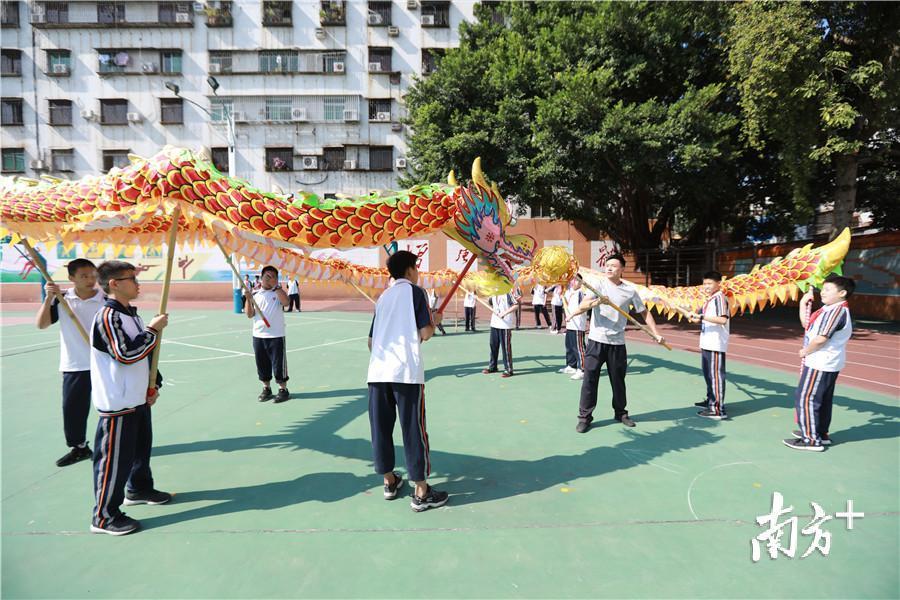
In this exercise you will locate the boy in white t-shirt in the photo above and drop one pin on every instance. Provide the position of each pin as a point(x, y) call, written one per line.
point(502, 323)
point(85, 300)
point(824, 353)
point(556, 301)
point(576, 329)
point(469, 308)
point(539, 302)
point(269, 342)
point(714, 331)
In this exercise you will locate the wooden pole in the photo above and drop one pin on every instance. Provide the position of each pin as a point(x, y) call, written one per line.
point(243, 283)
point(358, 289)
point(39, 265)
point(607, 301)
point(459, 279)
point(164, 299)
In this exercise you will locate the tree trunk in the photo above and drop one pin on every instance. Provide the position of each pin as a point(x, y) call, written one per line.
point(847, 167)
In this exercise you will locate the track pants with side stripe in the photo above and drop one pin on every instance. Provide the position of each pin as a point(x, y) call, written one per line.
point(713, 363)
point(407, 399)
point(575, 349)
point(813, 402)
point(121, 456)
point(501, 339)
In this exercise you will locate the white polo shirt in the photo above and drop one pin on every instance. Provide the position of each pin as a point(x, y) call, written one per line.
point(557, 299)
point(469, 301)
point(396, 349)
point(712, 335)
point(538, 295)
point(607, 325)
point(74, 352)
point(293, 287)
point(269, 305)
point(574, 298)
point(833, 322)
point(500, 305)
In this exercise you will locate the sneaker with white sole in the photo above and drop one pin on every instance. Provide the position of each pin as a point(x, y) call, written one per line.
point(825, 439)
point(801, 445)
point(152, 497)
point(712, 415)
point(121, 525)
point(579, 374)
point(391, 491)
point(567, 370)
point(432, 499)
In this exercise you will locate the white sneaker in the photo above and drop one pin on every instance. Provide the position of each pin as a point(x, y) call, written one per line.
point(567, 370)
point(579, 374)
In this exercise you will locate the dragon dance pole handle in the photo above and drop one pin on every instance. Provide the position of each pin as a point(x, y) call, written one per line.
point(39, 265)
point(243, 283)
point(456, 284)
point(164, 299)
point(640, 325)
point(358, 289)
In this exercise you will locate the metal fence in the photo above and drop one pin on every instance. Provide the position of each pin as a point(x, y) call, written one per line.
point(675, 266)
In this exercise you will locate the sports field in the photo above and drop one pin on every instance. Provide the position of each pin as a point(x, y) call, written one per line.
point(280, 500)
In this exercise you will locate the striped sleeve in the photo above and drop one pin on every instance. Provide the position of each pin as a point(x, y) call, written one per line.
point(721, 306)
point(122, 348)
point(833, 322)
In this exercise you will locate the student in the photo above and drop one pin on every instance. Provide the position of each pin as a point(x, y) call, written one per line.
point(539, 301)
point(85, 300)
point(517, 298)
point(714, 331)
point(501, 333)
point(121, 350)
point(556, 301)
point(294, 295)
point(824, 354)
point(249, 285)
point(575, 333)
point(469, 308)
point(269, 342)
point(396, 380)
point(433, 304)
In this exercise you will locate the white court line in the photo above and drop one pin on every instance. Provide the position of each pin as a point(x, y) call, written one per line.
point(365, 337)
point(249, 329)
point(234, 353)
point(33, 345)
point(699, 475)
point(207, 348)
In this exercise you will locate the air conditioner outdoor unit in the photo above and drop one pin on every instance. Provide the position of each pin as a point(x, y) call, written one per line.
point(239, 116)
point(215, 68)
point(396, 126)
point(310, 162)
point(37, 17)
point(349, 165)
point(38, 165)
point(149, 68)
point(411, 4)
point(374, 19)
point(182, 17)
point(427, 19)
point(298, 114)
point(350, 115)
point(60, 69)
point(134, 117)
point(320, 33)
point(393, 31)
point(374, 67)
point(338, 67)
point(199, 6)
point(400, 163)
point(88, 114)
point(383, 116)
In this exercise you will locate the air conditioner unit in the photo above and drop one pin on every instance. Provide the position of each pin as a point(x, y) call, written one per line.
point(427, 19)
point(349, 165)
point(38, 17)
point(88, 114)
point(134, 117)
point(60, 69)
point(374, 67)
point(393, 31)
point(199, 7)
point(374, 19)
point(383, 116)
point(320, 33)
point(396, 126)
point(411, 4)
point(182, 17)
point(215, 68)
point(350, 115)
point(400, 163)
point(338, 67)
point(298, 114)
point(239, 116)
point(38, 165)
point(310, 162)
point(149, 68)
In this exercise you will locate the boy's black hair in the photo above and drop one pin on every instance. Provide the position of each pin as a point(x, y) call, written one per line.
point(617, 257)
point(79, 263)
point(843, 283)
point(399, 262)
point(110, 270)
point(714, 275)
point(269, 268)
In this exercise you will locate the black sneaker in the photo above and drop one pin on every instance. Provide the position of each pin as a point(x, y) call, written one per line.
point(702, 403)
point(824, 439)
point(488, 371)
point(283, 394)
point(507, 374)
point(801, 445)
point(626, 421)
point(432, 499)
point(583, 426)
point(712, 415)
point(121, 525)
point(265, 394)
point(391, 491)
point(75, 455)
point(150, 497)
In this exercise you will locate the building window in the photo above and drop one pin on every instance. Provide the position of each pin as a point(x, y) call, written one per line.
point(55, 12)
point(175, 12)
point(110, 12)
point(334, 62)
point(277, 13)
point(431, 57)
point(13, 160)
point(218, 14)
point(333, 159)
point(114, 112)
point(334, 108)
point(220, 62)
point(379, 14)
point(219, 157)
point(278, 61)
point(435, 14)
point(379, 60)
point(170, 61)
point(279, 159)
point(62, 160)
point(11, 111)
point(9, 14)
point(278, 108)
point(11, 62)
point(113, 61)
point(381, 158)
point(171, 111)
point(60, 112)
point(380, 109)
point(115, 158)
point(59, 62)
point(332, 13)
point(220, 109)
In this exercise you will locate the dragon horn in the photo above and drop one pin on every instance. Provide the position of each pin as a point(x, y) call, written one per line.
point(451, 179)
point(477, 175)
point(834, 251)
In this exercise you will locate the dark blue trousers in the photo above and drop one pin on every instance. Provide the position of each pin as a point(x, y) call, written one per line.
point(76, 406)
point(501, 339)
point(575, 349)
point(407, 399)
